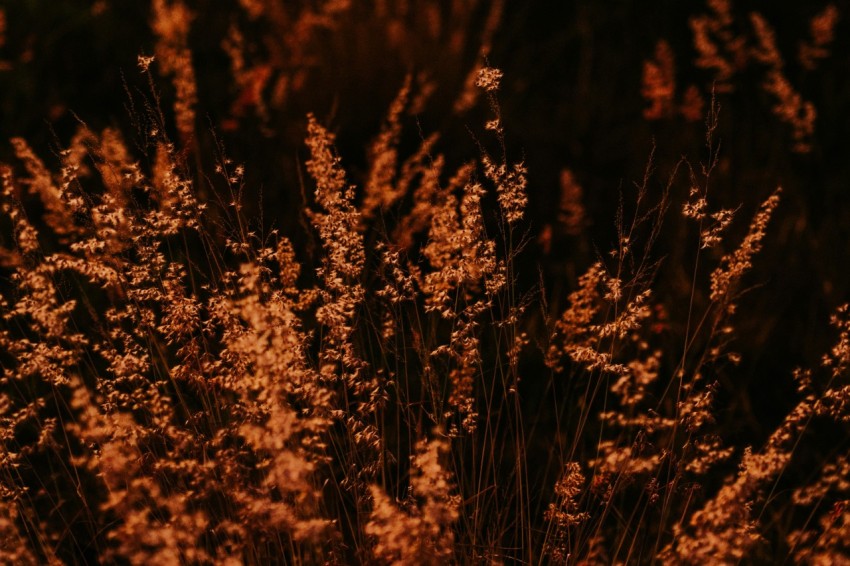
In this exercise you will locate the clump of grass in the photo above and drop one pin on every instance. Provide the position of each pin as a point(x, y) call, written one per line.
point(380, 384)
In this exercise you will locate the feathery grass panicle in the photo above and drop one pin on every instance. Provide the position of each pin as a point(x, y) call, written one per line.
point(822, 33)
point(659, 82)
point(337, 221)
point(421, 531)
point(733, 266)
point(380, 191)
point(171, 20)
point(564, 515)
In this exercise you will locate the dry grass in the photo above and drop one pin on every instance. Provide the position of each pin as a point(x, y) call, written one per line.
point(380, 384)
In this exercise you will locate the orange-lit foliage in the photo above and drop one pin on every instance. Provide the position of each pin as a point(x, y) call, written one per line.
point(392, 380)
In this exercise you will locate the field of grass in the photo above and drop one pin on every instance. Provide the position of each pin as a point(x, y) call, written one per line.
point(418, 282)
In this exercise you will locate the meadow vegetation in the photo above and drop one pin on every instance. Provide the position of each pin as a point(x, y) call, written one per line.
point(238, 330)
